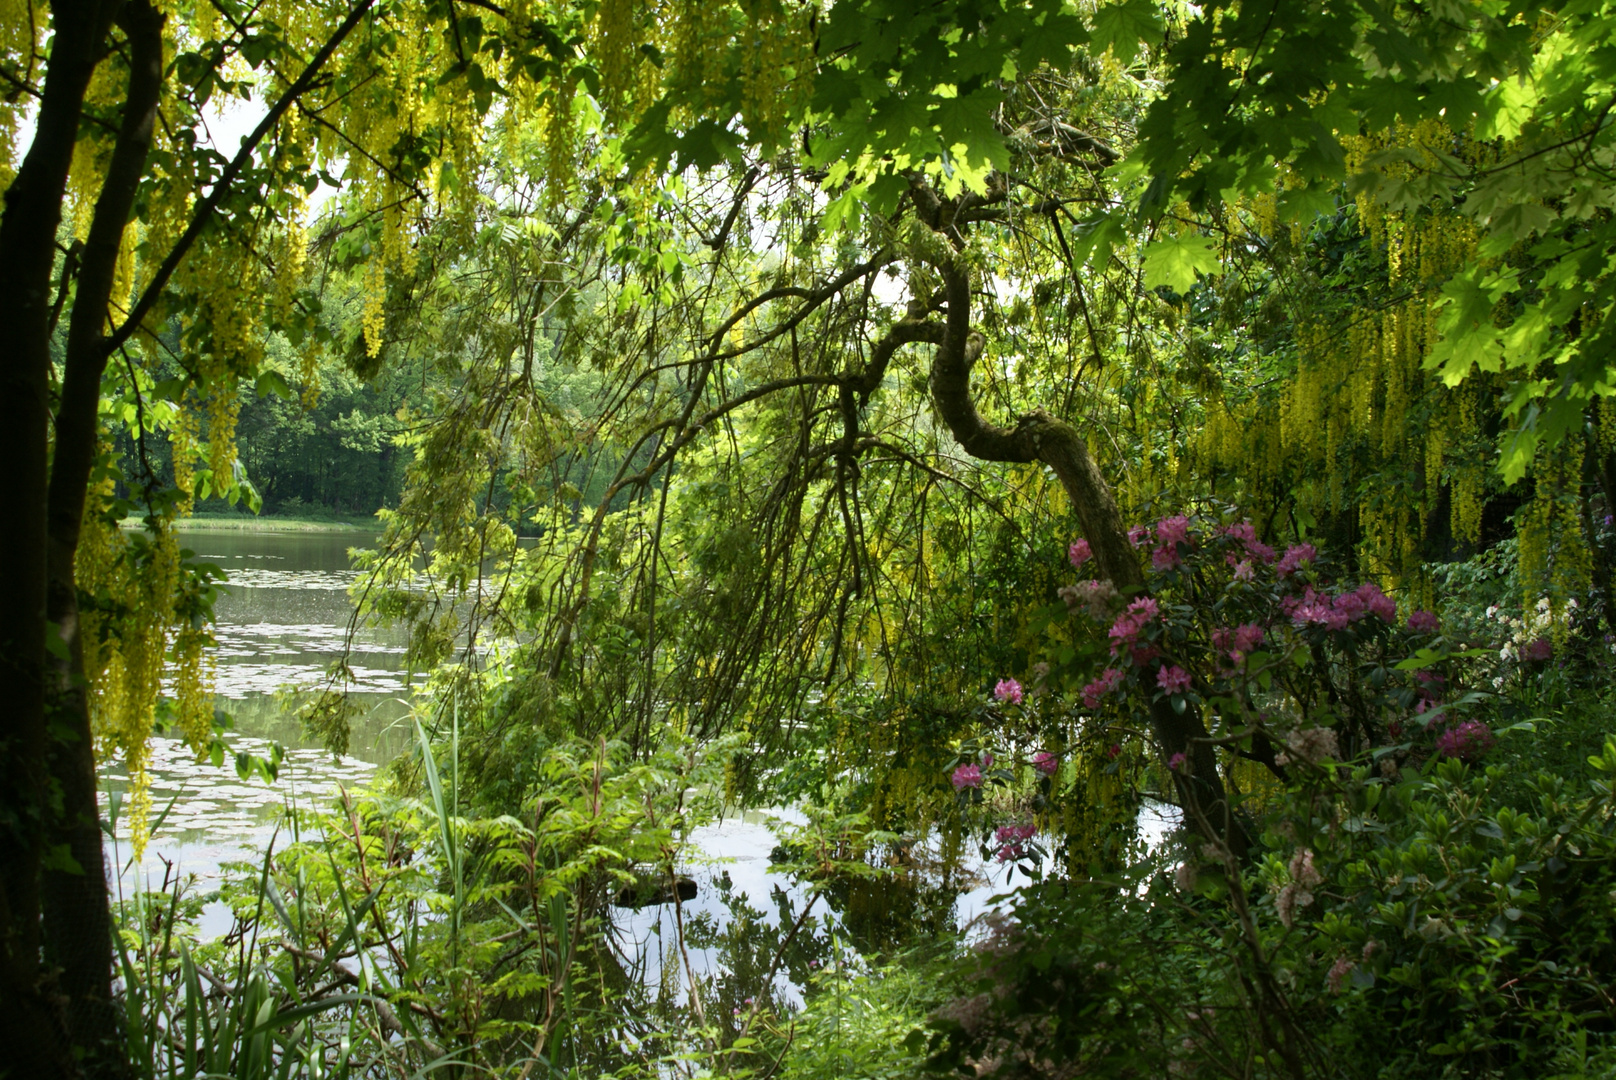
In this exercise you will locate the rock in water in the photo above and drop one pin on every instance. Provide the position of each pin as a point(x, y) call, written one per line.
point(653, 891)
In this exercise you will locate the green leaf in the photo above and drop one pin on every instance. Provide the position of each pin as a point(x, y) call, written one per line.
point(1174, 261)
point(1123, 27)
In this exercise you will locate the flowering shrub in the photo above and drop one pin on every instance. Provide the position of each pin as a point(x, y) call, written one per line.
point(1289, 665)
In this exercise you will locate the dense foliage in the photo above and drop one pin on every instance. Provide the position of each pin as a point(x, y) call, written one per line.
point(757, 397)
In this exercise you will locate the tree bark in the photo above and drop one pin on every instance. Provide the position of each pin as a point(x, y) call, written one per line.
point(1039, 437)
point(33, 1026)
point(78, 924)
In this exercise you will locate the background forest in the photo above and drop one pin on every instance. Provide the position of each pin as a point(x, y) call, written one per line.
point(981, 427)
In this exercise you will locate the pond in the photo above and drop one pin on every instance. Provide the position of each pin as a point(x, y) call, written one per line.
point(280, 624)
point(284, 620)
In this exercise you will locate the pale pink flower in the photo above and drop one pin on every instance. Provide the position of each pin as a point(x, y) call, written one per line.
point(1243, 571)
point(1079, 552)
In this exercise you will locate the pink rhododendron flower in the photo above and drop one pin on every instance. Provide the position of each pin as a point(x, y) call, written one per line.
point(1011, 839)
point(1222, 639)
point(1260, 551)
point(1137, 535)
point(1176, 762)
point(1423, 622)
point(967, 776)
point(1165, 557)
point(1243, 531)
point(1376, 602)
point(1248, 637)
point(1008, 690)
point(1297, 556)
point(1541, 649)
point(1046, 763)
point(1109, 680)
point(1243, 571)
point(1466, 741)
point(1140, 655)
point(1079, 552)
point(1173, 530)
point(1173, 679)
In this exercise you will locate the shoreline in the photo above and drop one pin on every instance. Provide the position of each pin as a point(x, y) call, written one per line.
point(263, 524)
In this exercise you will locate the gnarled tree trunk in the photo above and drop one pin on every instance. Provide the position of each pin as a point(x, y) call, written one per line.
point(1039, 437)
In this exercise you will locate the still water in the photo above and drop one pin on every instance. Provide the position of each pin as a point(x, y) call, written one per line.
point(285, 619)
point(281, 622)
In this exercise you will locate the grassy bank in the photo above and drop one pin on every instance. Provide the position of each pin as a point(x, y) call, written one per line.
point(267, 523)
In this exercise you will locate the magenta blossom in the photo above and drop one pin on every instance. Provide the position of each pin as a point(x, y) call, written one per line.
point(1248, 637)
point(1165, 557)
point(1541, 649)
point(1466, 741)
point(1008, 690)
point(1109, 680)
point(1376, 602)
point(1137, 535)
point(1297, 556)
point(1176, 762)
point(1046, 763)
point(1079, 552)
point(1011, 839)
point(1173, 679)
point(967, 776)
point(1173, 530)
point(1423, 622)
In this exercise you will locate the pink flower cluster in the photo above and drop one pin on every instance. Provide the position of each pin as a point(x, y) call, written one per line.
point(1011, 839)
point(1008, 690)
point(1466, 741)
point(1172, 533)
point(1246, 533)
point(1239, 642)
point(1540, 649)
point(1046, 763)
point(1338, 612)
point(1126, 630)
point(1173, 679)
point(967, 776)
point(1079, 552)
point(1296, 557)
point(1110, 679)
point(1423, 622)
